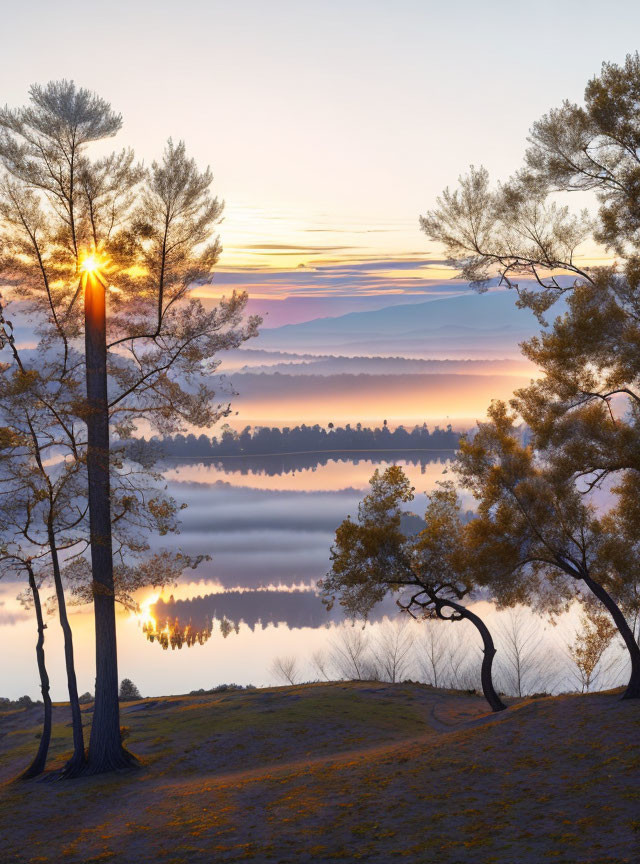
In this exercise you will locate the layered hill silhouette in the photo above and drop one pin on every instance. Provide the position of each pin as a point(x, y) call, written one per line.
point(489, 324)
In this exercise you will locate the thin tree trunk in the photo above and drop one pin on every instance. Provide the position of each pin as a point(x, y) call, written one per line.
point(78, 758)
point(106, 752)
point(77, 761)
point(489, 652)
point(40, 760)
point(633, 687)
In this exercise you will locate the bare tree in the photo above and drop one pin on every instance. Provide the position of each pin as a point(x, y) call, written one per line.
point(432, 652)
point(526, 667)
point(350, 653)
point(457, 674)
point(285, 669)
point(392, 649)
point(321, 663)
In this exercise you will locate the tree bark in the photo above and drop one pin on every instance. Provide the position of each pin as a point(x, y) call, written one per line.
point(40, 760)
point(489, 652)
point(106, 752)
point(633, 687)
point(77, 761)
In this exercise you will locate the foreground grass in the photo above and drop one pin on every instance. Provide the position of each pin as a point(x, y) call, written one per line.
point(340, 772)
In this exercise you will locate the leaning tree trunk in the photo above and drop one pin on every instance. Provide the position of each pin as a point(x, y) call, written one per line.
point(489, 652)
point(106, 752)
point(40, 760)
point(77, 761)
point(633, 687)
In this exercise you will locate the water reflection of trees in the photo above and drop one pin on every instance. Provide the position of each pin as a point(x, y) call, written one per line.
point(176, 623)
point(278, 464)
point(176, 633)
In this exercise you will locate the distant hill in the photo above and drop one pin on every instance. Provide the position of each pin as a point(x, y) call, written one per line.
point(489, 323)
point(337, 365)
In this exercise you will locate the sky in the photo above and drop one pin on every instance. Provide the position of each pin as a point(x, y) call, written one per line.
point(329, 126)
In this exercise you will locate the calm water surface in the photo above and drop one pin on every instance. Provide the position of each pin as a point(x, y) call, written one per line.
point(268, 525)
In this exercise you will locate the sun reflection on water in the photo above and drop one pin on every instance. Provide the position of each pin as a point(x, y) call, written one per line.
point(174, 633)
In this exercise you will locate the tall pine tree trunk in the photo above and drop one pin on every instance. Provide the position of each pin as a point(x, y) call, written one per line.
point(105, 747)
point(40, 760)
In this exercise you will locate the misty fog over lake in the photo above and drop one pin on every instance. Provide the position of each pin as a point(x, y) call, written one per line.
point(268, 523)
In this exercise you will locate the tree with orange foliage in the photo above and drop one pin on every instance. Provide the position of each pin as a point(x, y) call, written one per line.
point(537, 540)
point(428, 572)
point(596, 634)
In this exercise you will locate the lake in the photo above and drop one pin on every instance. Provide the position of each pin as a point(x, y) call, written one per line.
point(268, 524)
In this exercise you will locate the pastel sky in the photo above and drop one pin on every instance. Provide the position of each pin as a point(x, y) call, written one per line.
point(329, 126)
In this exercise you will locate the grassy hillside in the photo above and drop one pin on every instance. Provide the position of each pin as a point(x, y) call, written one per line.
point(340, 772)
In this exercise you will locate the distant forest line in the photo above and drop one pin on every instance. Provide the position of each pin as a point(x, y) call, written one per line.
point(266, 441)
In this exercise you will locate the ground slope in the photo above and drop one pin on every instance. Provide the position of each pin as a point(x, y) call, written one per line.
point(341, 772)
